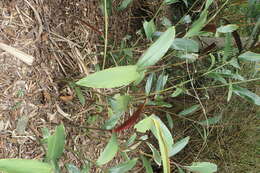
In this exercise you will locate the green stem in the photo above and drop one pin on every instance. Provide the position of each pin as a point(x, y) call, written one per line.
point(106, 33)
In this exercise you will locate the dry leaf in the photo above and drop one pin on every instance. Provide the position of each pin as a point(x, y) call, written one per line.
point(66, 98)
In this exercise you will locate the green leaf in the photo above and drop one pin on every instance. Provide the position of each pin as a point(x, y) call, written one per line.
point(227, 28)
point(166, 22)
point(162, 79)
point(124, 4)
point(111, 78)
point(140, 78)
point(210, 121)
point(178, 146)
point(191, 57)
point(131, 140)
point(144, 125)
point(147, 165)
point(202, 167)
point(217, 77)
point(177, 92)
point(208, 3)
point(112, 121)
point(106, 7)
point(157, 50)
point(123, 167)
point(156, 155)
point(159, 103)
point(246, 94)
point(234, 62)
point(230, 91)
point(80, 95)
point(183, 44)
point(149, 83)
point(56, 144)
point(168, 2)
point(149, 29)
point(180, 170)
point(72, 168)
point(24, 166)
point(109, 151)
point(86, 168)
point(189, 110)
point(170, 121)
point(250, 56)
point(165, 132)
point(197, 25)
point(228, 50)
point(120, 103)
point(163, 147)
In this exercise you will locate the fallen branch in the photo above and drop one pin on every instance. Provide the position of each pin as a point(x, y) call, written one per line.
point(28, 59)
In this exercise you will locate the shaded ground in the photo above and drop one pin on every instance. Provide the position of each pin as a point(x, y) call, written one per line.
point(64, 36)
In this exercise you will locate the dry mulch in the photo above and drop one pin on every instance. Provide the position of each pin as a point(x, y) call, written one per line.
point(64, 37)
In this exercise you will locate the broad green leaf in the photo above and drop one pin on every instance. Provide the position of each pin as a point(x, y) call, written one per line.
point(147, 165)
point(149, 83)
point(250, 56)
point(165, 132)
point(144, 125)
point(168, 2)
point(24, 166)
point(246, 94)
point(56, 144)
point(80, 95)
point(111, 78)
point(72, 168)
point(210, 121)
point(227, 28)
point(149, 29)
point(109, 151)
point(178, 146)
point(156, 154)
point(184, 44)
point(157, 50)
point(123, 167)
point(177, 92)
point(202, 167)
point(163, 147)
point(170, 121)
point(197, 25)
point(140, 78)
point(189, 110)
point(124, 4)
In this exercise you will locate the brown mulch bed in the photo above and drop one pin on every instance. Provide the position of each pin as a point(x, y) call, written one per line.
point(65, 38)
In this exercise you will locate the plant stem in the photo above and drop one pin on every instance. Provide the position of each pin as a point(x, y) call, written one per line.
point(106, 33)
